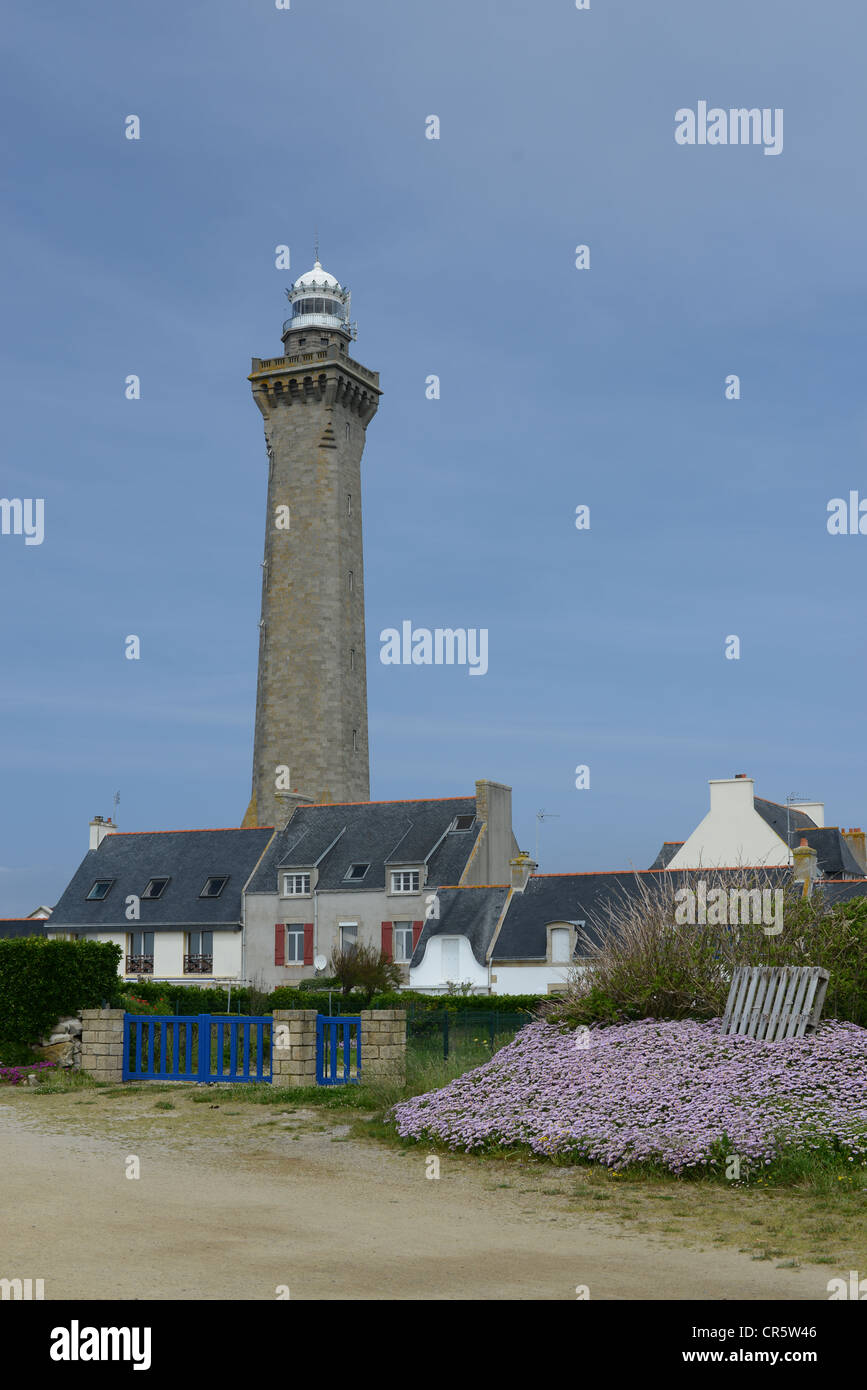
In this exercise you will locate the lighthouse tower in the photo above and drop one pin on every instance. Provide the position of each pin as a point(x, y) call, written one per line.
point(311, 701)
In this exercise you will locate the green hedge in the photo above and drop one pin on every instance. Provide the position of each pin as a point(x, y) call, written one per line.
point(288, 997)
point(42, 981)
point(187, 999)
point(195, 999)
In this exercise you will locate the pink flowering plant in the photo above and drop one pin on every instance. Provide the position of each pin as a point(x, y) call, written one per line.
point(675, 1094)
point(15, 1075)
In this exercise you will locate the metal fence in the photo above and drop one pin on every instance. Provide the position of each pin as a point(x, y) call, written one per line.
point(442, 1032)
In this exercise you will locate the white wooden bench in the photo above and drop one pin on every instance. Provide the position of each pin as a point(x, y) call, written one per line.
point(771, 1002)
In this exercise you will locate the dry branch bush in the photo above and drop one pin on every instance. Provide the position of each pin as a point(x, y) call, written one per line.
point(638, 962)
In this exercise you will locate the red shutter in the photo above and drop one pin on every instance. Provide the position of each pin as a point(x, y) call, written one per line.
point(280, 943)
point(308, 943)
point(416, 933)
point(387, 939)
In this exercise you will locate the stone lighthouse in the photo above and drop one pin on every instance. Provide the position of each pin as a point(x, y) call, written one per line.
point(311, 700)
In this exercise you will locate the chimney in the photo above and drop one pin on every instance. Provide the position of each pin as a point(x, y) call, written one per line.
point(99, 828)
point(805, 869)
point(287, 804)
point(732, 795)
point(496, 844)
point(521, 866)
point(814, 809)
point(855, 839)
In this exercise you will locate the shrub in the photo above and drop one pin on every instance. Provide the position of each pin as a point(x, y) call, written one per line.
point(641, 964)
point(365, 969)
point(41, 980)
point(190, 999)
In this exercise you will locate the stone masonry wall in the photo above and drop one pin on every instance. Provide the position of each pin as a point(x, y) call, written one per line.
point(383, 1046)
point(293, 1059)
point(102, 1043)
point(311, 700)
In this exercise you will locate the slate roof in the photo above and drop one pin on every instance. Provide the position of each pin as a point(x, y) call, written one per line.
point(551, 898)
point(833, 855)
point(841, 890)
point(379, 833)
point(778, 817)
point(186, 857)
point(470, 912)
point(24, 926)
point(667, 853)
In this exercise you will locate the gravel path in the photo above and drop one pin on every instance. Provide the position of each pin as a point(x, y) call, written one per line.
point(235, 1201)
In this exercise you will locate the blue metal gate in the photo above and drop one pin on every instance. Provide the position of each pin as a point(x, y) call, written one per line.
point(196, 1047)
point(336, 1037)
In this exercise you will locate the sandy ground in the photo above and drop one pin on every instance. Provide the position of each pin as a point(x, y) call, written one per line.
point(235, 1201)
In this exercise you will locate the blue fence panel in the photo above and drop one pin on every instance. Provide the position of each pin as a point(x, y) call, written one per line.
point(158, 1047)
point(336, 1036)
point(193, 1047)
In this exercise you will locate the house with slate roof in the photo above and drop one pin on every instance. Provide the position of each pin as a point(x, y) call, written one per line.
point(258, 906)
point(368, 872)
point(22, 926)
point(742, 828)
point(172, 900)
point(524, 937)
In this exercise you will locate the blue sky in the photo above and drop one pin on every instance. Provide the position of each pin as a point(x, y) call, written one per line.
point(559, 387)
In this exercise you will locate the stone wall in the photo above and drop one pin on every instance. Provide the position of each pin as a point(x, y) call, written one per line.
point(102, 1043)
point(63, 1044)
point(383, 1046)
point(293, 1058)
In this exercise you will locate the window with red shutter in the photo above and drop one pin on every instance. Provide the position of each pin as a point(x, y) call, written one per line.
point(280, 943)
point(416, 933)
point(387, 939)
point(308, 943)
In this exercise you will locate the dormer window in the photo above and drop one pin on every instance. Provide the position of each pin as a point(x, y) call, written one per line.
point(464, 822)
point(357, 871)
point(405, 881)
point(214, 887)
point(100, 890)
point(296, 885)
point(155, 888)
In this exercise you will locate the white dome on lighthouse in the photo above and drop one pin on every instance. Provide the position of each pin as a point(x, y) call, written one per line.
point(317, 278)
point(319, 301)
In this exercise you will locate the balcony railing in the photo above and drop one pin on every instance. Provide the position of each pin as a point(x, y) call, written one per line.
point(139, 965)
point(198, 965)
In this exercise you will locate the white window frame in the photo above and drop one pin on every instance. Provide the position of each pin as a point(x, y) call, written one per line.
point(294, 892)
point(405, 928)
point(295, 931)
point(572, 940)
point(347, 926)
point(401, 874)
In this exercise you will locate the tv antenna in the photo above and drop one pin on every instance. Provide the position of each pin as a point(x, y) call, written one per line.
point(791, 800)
point(116, 801)
point(540, 816)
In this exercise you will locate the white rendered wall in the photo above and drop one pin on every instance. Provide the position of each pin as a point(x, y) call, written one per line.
point(430, 974)
point(732, 832)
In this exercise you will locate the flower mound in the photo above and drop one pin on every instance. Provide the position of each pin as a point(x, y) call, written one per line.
point(680, 1094)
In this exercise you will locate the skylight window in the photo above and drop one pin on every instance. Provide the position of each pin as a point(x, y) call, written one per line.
point(464, 822)
point(100, 890)
point(214, 887)
point(357, 871)
point(155, 888)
